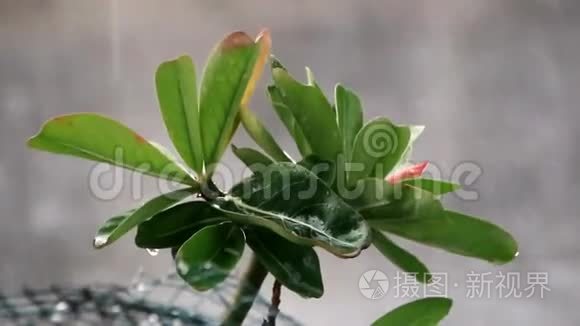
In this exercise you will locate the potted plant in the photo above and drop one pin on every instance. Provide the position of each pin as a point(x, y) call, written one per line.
point(353, 185)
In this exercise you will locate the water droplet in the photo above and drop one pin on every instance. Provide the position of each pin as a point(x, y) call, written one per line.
point(100, 240)
point(153, 320)
point(182, 267)
point(141, 287)
point(153, 252)
point(61, 306)
point(60, 313)
point(115, 309)
point(176, 322)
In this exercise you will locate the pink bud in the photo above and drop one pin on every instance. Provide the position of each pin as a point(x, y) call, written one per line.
point(409, 172)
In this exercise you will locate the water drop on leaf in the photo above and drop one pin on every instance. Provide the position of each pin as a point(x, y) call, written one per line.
point(153, 252)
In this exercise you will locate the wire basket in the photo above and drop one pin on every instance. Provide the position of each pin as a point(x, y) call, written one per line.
point(148, 301)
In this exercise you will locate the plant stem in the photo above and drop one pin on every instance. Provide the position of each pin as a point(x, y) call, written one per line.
point(274, 305)
point(247, 292)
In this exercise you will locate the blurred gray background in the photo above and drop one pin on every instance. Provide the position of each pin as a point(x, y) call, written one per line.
point(495, 81)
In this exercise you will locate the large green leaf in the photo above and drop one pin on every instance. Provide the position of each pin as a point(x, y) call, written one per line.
point(418, 215)
point(349, 114)
point(253, 159)
point(291, 201)
point(312, 112)
point(228, 73)
point(118, 226)
point(378, 147)
point(177, 95)
point(457, 233)
point(206, 259)
point(285, 114)
point(295, 266)
point(94, 137)
point(173, 226)
point(401, 257)
point(436, 187)
point(262, 136)
point(422, 312)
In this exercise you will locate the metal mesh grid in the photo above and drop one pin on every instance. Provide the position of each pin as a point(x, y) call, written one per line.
point(148, 301)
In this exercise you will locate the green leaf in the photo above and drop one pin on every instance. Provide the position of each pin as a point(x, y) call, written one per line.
point(378, 147)
point(400, 257)
point(378, 201)
point(436, 187)
point(349, 113)
point(94, 137)
point(294, 266)
point(177, 95)
point(313, 113)
point(118, 226)
point(422, 312)
point(285, 114)
point(228, 73)
point(173, 226)
point(207, 258)
point(456, 233)
point(291, 201)
point(262, 136)
point(253, 159)
point(416, 131)
point(325, 170)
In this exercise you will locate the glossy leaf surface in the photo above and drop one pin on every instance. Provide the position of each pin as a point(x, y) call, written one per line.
point(227, 74)
point(378, 147)
point(98, 138)
point(312, 112)
point(401, 257)
point(294, 266)
point(118, 226)
point(173, 226)
point(349, 114)
point(176, 86)
point(291, 201)
point(422, 312)
point(207, 258)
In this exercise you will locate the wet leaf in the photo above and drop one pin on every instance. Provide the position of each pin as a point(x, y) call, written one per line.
point(312, 112)
point(456, 233)
point(253, 159)
point(294, 266)
point(118, 226)
point(422, 312)
point(436, 187)
point(378, 147)
point(98, 138)
point(173, 226)
point(228, 73)
point(325, 170)
point(287, 117)
point(207, 258)
point(175, 81)
point(291, 201)
point(401, 257)
point(349, 113)
point(262, 136)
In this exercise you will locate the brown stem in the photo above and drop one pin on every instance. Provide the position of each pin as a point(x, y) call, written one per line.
point(274, 305)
